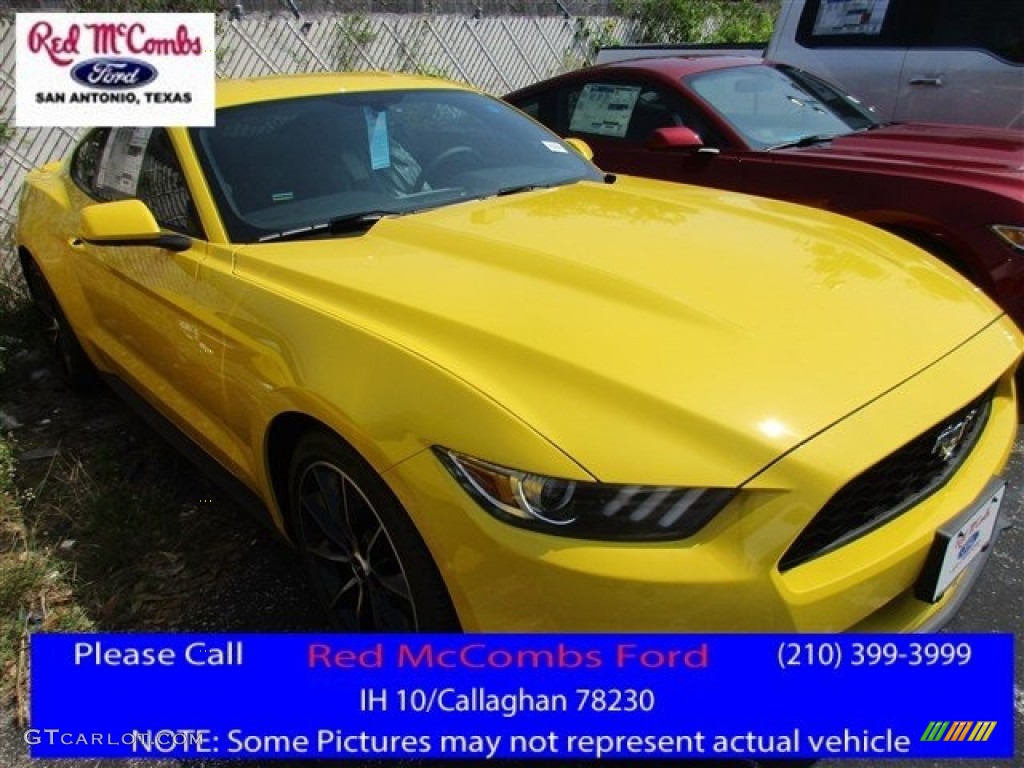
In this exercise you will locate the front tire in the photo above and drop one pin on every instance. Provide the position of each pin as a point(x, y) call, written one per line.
point(368, 565)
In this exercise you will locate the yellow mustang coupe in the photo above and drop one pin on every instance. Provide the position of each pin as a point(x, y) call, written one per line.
point(482, 385)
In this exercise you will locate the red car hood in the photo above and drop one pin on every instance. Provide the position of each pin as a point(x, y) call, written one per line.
point(932, 147)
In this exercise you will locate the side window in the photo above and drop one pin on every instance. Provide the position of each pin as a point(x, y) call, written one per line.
point(632, 111)
point(655, 108)
point(531, 107)
point(858, 24)
point(995, 26)
point(140, 162)
point(602, 109)
point(987, 25)
point(162, 187)
point(121, 163)
point(86, 160)
point(544, 109)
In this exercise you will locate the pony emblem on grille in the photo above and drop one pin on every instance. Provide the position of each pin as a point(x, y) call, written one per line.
point(949, 439)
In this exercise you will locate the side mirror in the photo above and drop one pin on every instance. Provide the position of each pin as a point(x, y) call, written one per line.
point(127, 222)
point(675, 137)
point(582, 147)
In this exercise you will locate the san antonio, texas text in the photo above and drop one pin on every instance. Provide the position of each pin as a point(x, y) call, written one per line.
point(113, 97)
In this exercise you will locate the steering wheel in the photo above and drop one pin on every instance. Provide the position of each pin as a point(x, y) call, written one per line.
point(446, 157)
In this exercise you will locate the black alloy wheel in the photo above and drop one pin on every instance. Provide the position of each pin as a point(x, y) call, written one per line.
point(369, 567)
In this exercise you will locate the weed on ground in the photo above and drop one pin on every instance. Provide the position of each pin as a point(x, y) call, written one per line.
point(103, 526)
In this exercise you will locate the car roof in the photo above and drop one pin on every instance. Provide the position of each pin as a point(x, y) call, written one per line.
point(669, 67)
point(249, 90)
point(680, 66)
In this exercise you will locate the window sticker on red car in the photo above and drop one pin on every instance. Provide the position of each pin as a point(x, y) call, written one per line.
point(604, 109)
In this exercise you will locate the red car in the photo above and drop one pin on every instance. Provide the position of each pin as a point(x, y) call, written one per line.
point(769, 129)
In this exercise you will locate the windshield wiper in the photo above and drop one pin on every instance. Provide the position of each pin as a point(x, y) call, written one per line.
point(804, 141)
point(516, 189)
point(339, 225)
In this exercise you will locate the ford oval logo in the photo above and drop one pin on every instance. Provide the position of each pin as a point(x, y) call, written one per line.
point(113, 74)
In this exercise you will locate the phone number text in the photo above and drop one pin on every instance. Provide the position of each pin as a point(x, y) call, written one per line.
point(834, 654)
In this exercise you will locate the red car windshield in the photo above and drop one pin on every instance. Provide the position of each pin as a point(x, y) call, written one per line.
point(774, 107)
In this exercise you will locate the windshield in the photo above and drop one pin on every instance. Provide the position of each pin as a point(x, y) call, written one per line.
point(772, 107)
point(280, 166)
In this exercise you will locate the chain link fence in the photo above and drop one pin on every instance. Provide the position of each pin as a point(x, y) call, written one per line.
point(494, 53)
point(466, 7)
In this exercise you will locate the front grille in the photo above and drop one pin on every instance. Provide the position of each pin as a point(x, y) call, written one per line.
point(893, 485)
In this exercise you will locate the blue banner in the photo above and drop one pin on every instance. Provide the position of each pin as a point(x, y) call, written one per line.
point(500, 696)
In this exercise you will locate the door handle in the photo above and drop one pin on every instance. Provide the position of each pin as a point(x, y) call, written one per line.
point(77, 243)
point(935, 82)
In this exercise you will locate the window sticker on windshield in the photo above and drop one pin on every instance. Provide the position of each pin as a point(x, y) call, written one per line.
point(850, 17)
point(604, 109)
point(380, 146)
point(121, 163)
point(554, 146)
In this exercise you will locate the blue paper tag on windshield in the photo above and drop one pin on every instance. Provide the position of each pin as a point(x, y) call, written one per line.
point(380, 147)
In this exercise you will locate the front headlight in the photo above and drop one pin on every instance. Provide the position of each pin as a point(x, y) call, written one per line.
point(1012, 235)
point(582, 509)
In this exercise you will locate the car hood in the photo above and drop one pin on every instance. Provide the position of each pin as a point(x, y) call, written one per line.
point(653, 332)
point(931, 147)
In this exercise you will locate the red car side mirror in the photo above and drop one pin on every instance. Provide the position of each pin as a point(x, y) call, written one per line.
point(674, 137)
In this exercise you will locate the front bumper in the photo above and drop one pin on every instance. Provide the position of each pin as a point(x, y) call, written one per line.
point(726, 578)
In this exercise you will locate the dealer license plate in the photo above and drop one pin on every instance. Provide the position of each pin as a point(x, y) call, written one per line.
point(958, 543)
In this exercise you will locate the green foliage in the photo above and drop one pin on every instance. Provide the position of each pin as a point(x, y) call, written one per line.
point(6, 476)
point(34, 581)
point(588, 37)
point(6, 132)
point(414, 54)
point(702, 21)
point(221, 53)
point(350, 35)
point(438, 72)
point(13, 291)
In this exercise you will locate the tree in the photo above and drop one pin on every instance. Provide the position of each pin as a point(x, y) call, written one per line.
point(702, 21)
